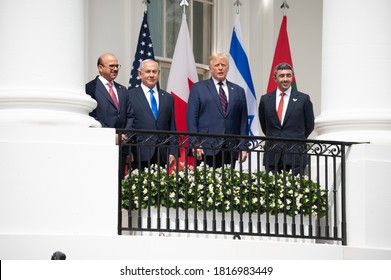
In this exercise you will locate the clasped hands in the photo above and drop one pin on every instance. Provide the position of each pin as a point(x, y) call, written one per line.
point(199, 152)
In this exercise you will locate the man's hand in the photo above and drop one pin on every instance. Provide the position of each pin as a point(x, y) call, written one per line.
point(198, 153)
point(242, 156)
point(123, 138)
point(172, 160)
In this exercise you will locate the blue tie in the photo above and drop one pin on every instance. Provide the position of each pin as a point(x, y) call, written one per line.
point(153, 104)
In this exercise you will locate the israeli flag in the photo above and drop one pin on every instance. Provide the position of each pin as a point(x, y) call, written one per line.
point(239, 73)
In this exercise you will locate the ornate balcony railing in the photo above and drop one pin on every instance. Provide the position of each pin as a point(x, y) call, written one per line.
point(304, 199)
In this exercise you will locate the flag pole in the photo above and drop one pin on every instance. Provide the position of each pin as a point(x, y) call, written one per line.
point(144, 49)
point(145, 2)
point(282, 52)
point(284, 7)
point(184, 3)
point(237, 3)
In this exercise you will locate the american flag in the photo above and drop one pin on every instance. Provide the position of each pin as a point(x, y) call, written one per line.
point(144, 51)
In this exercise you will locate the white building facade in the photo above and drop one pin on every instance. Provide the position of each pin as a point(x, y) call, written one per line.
point(58, 183)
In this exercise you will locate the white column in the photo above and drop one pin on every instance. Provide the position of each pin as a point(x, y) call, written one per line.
point(58, 175)
point(42, 63)
point(356, 96)
point(356, 106)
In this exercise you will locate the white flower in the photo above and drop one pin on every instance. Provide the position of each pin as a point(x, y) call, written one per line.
point(205, 187)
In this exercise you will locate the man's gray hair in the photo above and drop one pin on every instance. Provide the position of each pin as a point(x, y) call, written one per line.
point(218, 55)
point(145, 61)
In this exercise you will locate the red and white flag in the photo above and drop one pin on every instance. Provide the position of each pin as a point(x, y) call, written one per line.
point(183, 74)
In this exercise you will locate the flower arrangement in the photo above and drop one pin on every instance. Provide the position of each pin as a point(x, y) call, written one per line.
point(224, 189)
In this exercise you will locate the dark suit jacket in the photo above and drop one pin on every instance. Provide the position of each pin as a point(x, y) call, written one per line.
point(106, 113)
point(298, 121)
point(205, 115)
point(142, 118)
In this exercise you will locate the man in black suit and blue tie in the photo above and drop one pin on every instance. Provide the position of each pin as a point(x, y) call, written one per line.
point(152, 109)
point(217, 106)
point(113, 105)
point(297, 121)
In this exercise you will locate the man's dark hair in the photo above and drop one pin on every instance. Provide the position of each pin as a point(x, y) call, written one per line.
point(282, 66)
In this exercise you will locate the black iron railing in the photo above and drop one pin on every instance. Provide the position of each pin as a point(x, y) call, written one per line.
point(300, 193)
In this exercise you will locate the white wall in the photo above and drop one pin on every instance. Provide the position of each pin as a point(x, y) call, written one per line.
point(58, 180)
point(112, 26)
point(368, 196)
point(58, 183)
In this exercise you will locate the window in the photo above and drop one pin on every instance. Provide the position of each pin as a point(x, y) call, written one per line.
point(164, 18)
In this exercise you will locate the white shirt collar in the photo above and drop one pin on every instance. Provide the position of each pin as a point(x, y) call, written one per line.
point(216, 82)
point(147, 89)
point(104, 81)
point(287, 92)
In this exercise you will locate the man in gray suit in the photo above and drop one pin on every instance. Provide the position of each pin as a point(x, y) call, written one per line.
point(217, 106)
point(297, 121)
point(152, 109)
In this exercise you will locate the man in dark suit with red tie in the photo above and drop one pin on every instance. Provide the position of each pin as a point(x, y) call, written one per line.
point(217, 106)
point(288, 113)
point(113, 105)
point(152, 109)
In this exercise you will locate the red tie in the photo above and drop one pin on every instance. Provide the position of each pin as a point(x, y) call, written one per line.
point(280, 107)
point(112, 94)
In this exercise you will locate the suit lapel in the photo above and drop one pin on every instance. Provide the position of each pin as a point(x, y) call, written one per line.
point(232, 96)
point(162, 102)
point(100, 87)
point(121, 91)
point(215, 95)
point(272, 103)
point(293, 98)
point(140, 95)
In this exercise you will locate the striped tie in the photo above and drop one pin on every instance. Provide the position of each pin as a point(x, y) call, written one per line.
point(223, 99)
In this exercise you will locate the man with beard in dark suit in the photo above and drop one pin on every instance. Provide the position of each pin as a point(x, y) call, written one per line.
point(288, 113)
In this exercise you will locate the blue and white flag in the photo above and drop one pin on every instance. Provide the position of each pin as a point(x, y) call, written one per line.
point(239, 73)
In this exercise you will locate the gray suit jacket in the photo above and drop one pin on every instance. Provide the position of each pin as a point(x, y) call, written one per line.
point(142, 118)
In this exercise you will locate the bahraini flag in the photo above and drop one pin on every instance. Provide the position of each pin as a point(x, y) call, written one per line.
point(183, 74)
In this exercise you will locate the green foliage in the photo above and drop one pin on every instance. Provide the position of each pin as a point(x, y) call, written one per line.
point(224, 189)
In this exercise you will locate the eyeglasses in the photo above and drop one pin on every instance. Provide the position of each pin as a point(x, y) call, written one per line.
point(112, 66)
